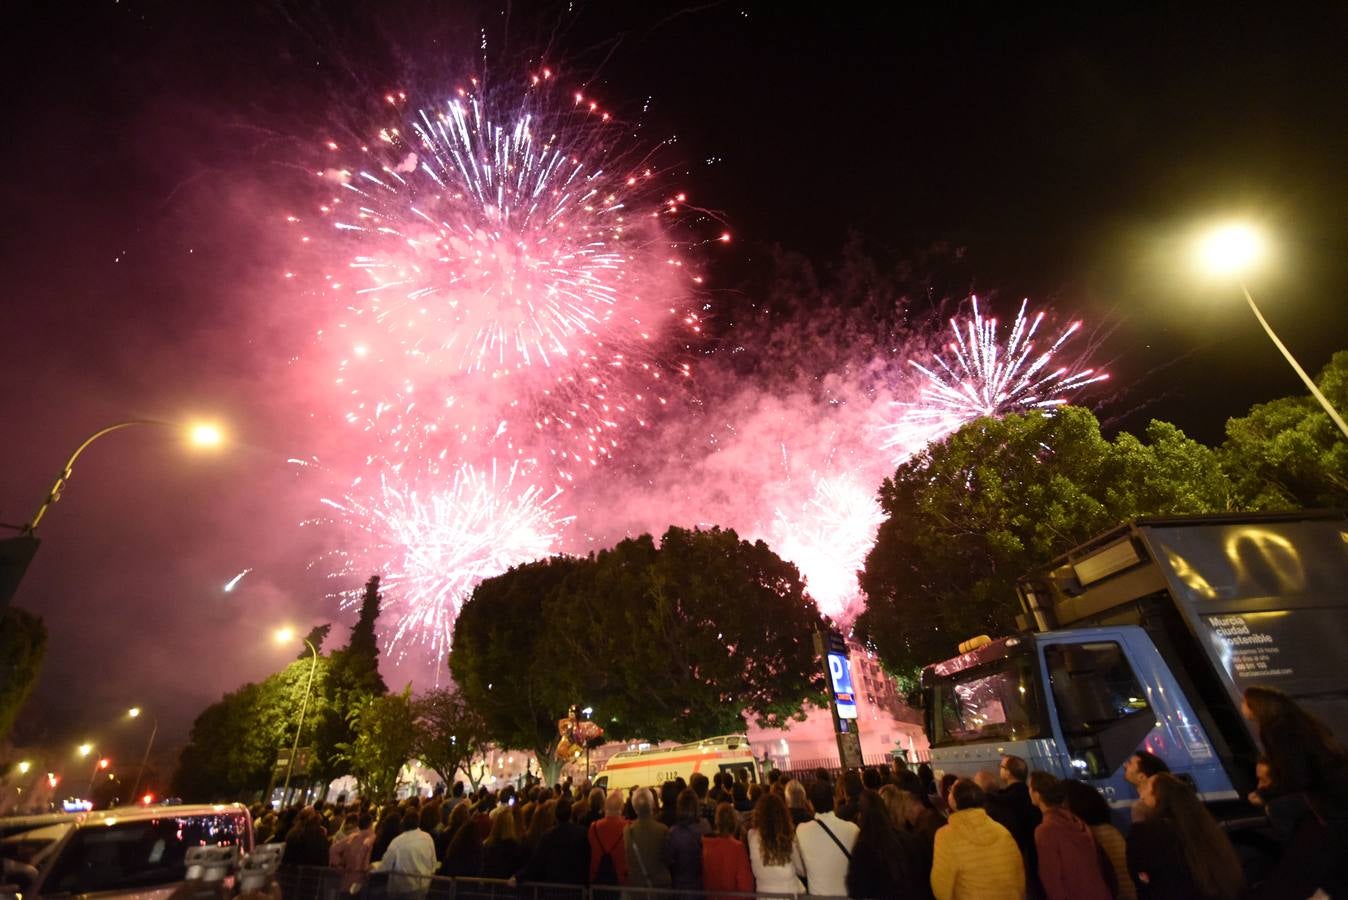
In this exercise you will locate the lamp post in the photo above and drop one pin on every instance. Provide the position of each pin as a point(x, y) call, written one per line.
point(201, 434)
point(134, 712)
point(99, 765)
point(587, 712)
point(1230, 251)
point(285, 635)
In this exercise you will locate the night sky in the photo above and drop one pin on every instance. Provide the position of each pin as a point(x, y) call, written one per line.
point(154, 147)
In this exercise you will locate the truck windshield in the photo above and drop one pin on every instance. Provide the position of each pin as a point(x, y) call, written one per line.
point(998, 701)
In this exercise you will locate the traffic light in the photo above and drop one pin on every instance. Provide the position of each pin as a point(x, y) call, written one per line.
point(52, 779)
point(104, 763)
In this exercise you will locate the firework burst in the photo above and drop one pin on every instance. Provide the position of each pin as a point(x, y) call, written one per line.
point(503, 245)
point(432, 547)
point(828, 536)
point(978, 376)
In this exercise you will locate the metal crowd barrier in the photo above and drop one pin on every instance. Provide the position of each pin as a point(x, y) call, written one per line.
point(321, 883)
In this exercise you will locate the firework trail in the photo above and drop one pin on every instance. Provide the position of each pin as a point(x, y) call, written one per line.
point(509, 278)
point(979, 376)
point(432, 547)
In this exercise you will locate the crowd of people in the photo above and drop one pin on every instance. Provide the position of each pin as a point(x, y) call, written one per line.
point(873, 833)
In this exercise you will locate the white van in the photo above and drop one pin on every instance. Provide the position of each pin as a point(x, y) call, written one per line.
point(652, 768)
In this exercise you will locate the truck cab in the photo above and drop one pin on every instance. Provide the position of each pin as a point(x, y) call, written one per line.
point(1144, 639)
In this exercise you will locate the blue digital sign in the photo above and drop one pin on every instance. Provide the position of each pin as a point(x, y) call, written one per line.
point(840, 673)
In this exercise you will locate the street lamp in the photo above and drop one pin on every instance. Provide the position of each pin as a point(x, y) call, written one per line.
point(199, 434)
point(134, 713)
point(84, 749)
point(1231, 250)
point(99, 766)
point(285, 636)
point(24, 766)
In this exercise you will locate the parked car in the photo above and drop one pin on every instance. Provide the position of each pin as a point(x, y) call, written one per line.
point(128, 851)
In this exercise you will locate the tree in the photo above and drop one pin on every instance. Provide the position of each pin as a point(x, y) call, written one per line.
point(354, 678)
point(682, 641)
point(383, 743)
point(971, 514)
point(504, 658)
point(234, 742)
point(316, 636)
point(23, 644)
point(1287, 453)
point(450, 734)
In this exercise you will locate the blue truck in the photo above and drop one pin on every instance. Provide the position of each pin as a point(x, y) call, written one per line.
point(1144, 639)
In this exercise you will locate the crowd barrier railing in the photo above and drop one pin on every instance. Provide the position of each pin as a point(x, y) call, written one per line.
point(322, 883)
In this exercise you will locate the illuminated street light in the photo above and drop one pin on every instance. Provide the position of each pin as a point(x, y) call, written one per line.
point(1233, 249)
point(24, 766)
point(206, 434)
point(99, 766)
point(198, 434)
point(85, 749)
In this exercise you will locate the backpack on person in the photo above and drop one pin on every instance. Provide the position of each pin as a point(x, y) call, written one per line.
point(607, 873)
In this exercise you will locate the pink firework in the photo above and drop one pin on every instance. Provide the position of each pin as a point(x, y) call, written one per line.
point(433, 545)
point(508, 276)
point(977, 376)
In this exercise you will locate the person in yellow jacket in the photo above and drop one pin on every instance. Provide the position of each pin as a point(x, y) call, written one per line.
point(975, 858)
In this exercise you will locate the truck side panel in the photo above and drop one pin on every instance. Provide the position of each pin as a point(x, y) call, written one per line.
point(1268, 603)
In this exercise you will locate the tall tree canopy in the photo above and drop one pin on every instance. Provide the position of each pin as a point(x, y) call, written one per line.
point(1287, 453)
point(353, 679)
point(384, 739)
point(235, 741)
point(681, 641)
point(504, 654)
point(23, 644)
point(674, 642)
point(971, 514)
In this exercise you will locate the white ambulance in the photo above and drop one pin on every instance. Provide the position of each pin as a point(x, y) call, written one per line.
point(653, 767)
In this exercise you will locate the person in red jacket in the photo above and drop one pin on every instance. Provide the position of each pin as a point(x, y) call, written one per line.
point(725, 860)
point(1069, 861)
point(608, 856)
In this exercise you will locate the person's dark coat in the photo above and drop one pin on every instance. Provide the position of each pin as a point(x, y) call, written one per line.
point(1012, 808)
point(502, 859)
point(870, 873)
point(308, 848)
point(561, 857)
point(1156, 863)
point(682, 852)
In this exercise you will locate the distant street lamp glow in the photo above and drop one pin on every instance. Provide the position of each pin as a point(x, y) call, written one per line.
point(285, 635)
point(133, 712)
point(85, 749)
point(1231, 250)
point(24, 766)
